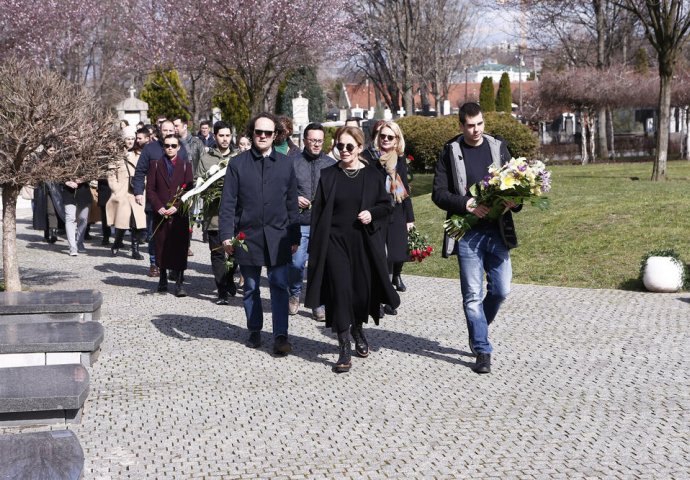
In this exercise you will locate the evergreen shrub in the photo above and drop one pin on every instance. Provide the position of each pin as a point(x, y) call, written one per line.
point(425, 136)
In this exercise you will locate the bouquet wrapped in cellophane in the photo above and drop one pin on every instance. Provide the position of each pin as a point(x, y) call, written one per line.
point(517, 181)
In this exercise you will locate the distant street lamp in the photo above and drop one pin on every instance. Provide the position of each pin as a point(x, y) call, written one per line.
point(465, 84)
point(521, 63)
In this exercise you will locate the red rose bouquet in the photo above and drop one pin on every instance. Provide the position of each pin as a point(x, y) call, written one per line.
point(418, 246)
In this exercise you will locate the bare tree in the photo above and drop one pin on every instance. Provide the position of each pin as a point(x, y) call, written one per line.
point(445, 37)
point(39, 104)
point(580, 33)
point(666, 24)
point(588, 90)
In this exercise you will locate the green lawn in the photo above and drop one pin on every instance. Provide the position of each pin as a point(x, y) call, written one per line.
point(603, 219)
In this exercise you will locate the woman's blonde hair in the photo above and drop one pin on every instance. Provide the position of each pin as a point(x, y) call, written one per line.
point(400, 148)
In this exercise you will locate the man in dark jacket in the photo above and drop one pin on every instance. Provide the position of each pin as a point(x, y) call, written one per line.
point(206, 136)
point(308, 165)
point(484, 250)
point(152, 151)
point(260, 200)
point(194, 147)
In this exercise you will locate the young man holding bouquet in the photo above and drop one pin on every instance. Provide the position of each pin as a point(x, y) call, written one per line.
point(484, 249)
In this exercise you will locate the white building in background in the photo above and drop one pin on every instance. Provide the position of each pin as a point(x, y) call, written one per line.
point(494, 71)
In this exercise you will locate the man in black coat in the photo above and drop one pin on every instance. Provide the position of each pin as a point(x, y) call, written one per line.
point(260, 201)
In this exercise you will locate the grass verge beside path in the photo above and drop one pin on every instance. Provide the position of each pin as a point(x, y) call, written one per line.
point(601, 222)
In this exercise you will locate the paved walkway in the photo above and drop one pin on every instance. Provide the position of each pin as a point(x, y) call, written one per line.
point(586, 383)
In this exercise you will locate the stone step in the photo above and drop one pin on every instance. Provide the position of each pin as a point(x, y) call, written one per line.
point(47, 306)
point(41, 455)
point(43, 394)
point(50, 343)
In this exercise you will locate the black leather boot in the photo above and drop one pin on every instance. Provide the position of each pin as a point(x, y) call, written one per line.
point(361, 344)
point(344, 362)
point(163, 281)
point(117, 243)
point(398, 283)
point(135, 249)
point(180, 291)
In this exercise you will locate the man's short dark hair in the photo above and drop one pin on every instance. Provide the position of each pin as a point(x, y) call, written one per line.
point(357, 120)
point(144, 131)
point(469, 109)
point(313, 126)
point(181, 118)
point(270, 116)
point(205, 122)
point(218, 126)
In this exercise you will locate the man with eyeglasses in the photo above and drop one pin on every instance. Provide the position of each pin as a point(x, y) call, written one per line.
point(152, 151)
point(260, 200)
point(308, 165)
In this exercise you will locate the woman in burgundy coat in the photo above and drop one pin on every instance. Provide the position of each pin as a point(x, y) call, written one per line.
point(166, 181)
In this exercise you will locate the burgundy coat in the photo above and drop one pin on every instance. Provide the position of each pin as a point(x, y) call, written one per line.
point(172, 235)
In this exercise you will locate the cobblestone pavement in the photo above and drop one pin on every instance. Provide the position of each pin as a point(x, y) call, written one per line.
point(585, 383)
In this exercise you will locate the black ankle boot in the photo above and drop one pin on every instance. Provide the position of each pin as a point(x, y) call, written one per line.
point(361, 344)
point(135, 250)
point(163, 281)
point(398, 283)
point(117, 243)
point(345, 359)
point(180, 291)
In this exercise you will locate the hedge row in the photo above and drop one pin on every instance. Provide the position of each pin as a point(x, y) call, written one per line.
point(425, 136)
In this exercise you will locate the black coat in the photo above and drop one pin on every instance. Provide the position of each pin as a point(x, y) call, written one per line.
point(396, 230)
point(44, 193)
point(261, 203)
point(376, 200)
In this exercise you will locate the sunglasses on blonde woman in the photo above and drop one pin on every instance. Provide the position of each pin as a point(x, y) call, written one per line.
point(390, 138)
point(345, 146)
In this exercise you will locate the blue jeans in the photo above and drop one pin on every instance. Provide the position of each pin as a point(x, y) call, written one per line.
point(280, 292)
point(482, 251)
point(299, 259)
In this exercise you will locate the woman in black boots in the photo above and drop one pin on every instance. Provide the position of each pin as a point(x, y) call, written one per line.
point(166, 181)
point(347, 261)
point(122, 210)
point(388, 156)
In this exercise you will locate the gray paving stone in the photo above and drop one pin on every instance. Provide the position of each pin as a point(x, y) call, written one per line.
point(585, 383)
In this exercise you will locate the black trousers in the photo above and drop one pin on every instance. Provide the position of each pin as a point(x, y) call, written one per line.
point(223, 277)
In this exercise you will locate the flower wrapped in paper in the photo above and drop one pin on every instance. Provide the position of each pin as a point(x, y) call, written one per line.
point(517, 181)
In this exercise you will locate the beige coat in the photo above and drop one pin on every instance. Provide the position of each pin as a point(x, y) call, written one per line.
point(121, 204)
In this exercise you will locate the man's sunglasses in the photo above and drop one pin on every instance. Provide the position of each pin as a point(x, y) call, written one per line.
point(171, 145)
point(259, 133)
point(345, 146)
point(390, 138)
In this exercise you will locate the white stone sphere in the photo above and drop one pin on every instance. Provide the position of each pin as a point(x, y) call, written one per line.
point(663, 274)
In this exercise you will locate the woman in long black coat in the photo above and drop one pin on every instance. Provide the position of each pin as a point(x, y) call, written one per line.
point(347, 261)
point(166, 180)
point(388, 156)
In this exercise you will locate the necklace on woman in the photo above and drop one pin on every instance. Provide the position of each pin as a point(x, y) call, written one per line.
point(351, 173)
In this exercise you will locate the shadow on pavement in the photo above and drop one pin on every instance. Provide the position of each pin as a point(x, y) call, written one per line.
point(190, 328)
point(379, 338)
point(41, 278)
